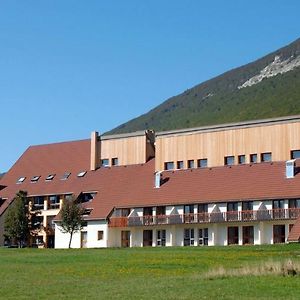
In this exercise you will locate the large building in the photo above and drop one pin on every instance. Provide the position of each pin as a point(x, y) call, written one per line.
point(217, 185)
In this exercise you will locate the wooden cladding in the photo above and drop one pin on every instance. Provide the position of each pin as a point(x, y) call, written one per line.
point(278, 139)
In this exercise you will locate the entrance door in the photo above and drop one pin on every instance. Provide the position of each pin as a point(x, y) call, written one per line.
point(50, 241)
point(233, 235)
point(147, 238)
point(125, 238)
point(248, 235)
point(83, 239)
point(278, 234)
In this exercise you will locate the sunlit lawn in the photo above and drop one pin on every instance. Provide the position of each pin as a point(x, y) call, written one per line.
point(143, 273)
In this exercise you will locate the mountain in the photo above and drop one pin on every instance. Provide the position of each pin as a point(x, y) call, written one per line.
point(268, 87)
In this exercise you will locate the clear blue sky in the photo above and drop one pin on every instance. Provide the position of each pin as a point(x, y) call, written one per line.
point(70, 67)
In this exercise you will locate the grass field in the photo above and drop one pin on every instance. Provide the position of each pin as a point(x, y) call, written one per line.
point(145, 273)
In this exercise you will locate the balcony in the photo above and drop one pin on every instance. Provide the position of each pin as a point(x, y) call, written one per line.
point(204, 218)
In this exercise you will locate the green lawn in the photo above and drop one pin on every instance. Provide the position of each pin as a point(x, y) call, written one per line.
point(144, 273)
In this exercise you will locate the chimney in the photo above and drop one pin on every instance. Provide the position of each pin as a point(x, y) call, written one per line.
point(290, 168)
point(95, 160)
point(158, 179)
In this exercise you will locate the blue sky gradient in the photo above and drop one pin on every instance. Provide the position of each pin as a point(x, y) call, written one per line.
point(70, 67)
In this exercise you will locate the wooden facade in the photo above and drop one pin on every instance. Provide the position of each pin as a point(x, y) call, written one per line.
point(125, 149)
point(278, 137)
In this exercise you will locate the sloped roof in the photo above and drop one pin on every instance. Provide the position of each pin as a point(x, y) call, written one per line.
point(133, 186)
point(43, 160)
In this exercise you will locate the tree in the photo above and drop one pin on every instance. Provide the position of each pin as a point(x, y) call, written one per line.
point(71, 218)
point(20, 223)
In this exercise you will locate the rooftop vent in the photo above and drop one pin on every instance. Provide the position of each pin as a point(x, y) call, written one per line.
point(158, 179)
point(290, 168)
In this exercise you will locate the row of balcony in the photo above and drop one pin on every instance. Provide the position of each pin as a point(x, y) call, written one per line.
point(214, 217)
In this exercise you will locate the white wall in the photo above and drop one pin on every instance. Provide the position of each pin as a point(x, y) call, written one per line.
point(92, 228)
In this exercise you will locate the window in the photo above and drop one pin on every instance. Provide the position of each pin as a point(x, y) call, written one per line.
point(229, 160)
point(247, 211)
point(169, 165)
point(160, 210)
point(180, 164)
point(87, 212)
point(202, 163)
point(114, 161)
point(253, 158)
point(241, 159)
point(266, 157)
point(233, 235)
point(203, 237)
point(203, 213)
point(81, 174)
point(148, 215)
point(100, 235)
point(278, 234)
point(105, 162)
point(35, 178)
point(65, 176)
point(86, 197)
point(54, 202)
point(38, 202)
point(190, 164)
point(189, 216)
point(161, 238)
point(50, 177)
point(295, 154)
point(21, 179)
point(37, 221)
point(232, 211)
point(294, 205)
point(188, 237)
point(278, 209)
point(68, 197)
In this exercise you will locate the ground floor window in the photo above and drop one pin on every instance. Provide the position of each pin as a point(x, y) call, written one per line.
point(189, 237)
point(161, 237)
point(248, 235)
point(278, 234)
point(203, 237)
point(147, 238)
point(125, 238)
point(233, 235)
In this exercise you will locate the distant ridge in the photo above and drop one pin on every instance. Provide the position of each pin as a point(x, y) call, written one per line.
point(266, 88)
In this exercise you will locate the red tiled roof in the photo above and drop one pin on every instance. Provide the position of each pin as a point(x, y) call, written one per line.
point(133, 186)
point(43, 160)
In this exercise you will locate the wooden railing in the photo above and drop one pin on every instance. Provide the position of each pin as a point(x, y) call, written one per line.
point(219, 217)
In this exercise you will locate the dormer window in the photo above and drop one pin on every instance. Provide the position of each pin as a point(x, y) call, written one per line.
point(21, 179)
point(81, 174)
point(114, 161)
point(35, 178)
point(87, 212)
point(50, 177)
point(65, 176)
point(105, 162)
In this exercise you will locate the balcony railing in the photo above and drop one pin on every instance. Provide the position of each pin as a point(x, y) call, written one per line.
point(200, 218)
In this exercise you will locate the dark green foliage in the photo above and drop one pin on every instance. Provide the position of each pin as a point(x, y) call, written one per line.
point(20, 224)
point(71, 218)
point(219, 100)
